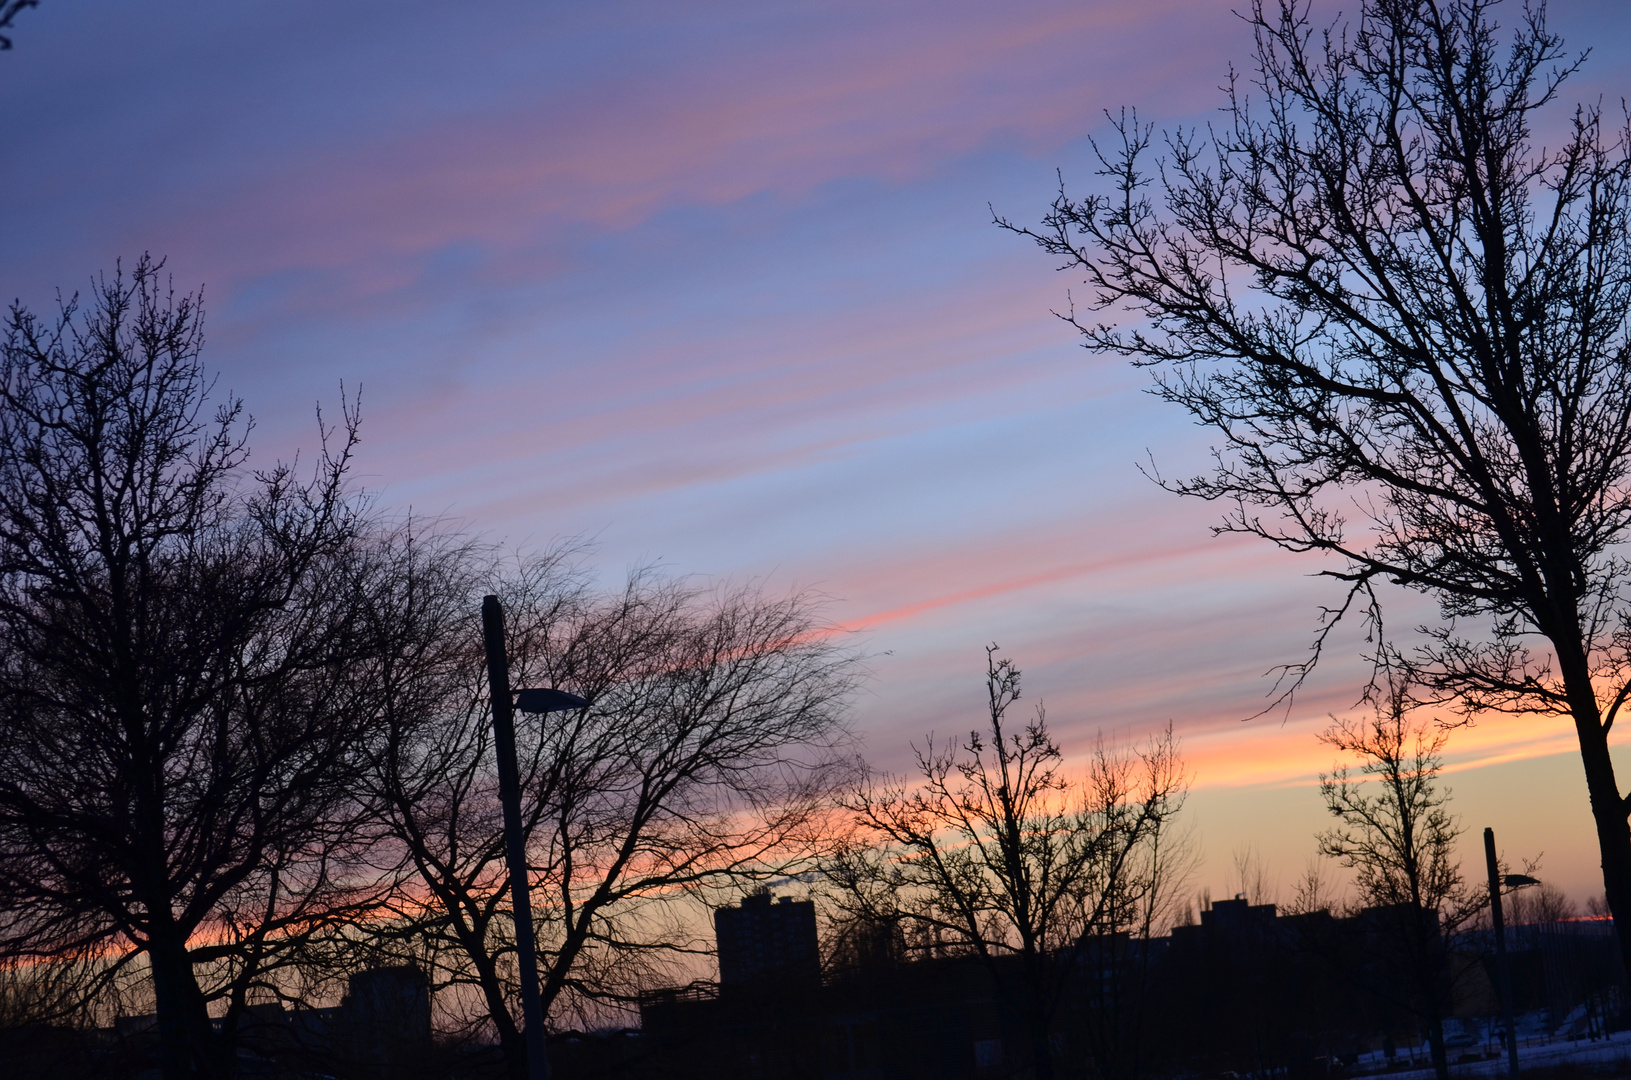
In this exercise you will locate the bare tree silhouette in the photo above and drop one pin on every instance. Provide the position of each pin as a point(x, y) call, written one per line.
point(993, 850)
point(9, 10)
point(177, 722)
point(1395, 831)
point(1397, 311)
point(707, 758)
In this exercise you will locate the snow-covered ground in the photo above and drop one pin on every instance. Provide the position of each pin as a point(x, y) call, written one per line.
point(1584, 1051)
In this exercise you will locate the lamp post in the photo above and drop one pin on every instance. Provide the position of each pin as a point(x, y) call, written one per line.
point(509, 794)
point(1512, 881)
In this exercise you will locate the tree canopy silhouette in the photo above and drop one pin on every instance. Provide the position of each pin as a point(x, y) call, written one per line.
point(1394, 830)
point(9, 10)
point(707, 759)
point(1406, 320)
point(995, 851)
point(178, 690)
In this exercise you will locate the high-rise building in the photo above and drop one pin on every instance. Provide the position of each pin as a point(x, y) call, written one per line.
point(767, 940)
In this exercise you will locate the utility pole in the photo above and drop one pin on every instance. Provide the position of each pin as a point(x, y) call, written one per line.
point(509, 793)
point(1504, 973)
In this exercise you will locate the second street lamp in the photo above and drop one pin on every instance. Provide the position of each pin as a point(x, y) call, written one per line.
point(1504, 974)
point(509, 794)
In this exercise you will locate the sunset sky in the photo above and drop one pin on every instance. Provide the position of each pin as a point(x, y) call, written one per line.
point(715, 285)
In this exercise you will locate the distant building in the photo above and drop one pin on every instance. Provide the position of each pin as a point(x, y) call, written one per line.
point(1245, 990)
point(934, 1019)
point(767, 942)
point(878, 1017)
point(383, 1026)
point(1236, 921)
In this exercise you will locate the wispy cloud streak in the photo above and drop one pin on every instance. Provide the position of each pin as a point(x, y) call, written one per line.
point(714, 284)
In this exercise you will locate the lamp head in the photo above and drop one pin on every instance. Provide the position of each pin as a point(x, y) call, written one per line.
point(544, 701)
point(1518, 881)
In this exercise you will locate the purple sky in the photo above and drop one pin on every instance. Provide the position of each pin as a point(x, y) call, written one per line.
point(715, 284)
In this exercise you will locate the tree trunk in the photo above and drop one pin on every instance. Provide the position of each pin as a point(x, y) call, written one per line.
point(1608, 808)
point(1032, 997)
point(1435, 1044)
point(183, 1022)
point(1041, 1051)
point(511, 1043)
point(514, 1048)
point(1613, 829)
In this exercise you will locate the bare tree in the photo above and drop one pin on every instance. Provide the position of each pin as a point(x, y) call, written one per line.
point(994, 851)
point(1313, 891)
point(176, 699)
point(9, 10)
point(708, 756)
point(1545, 903)
point(1253, 878)
point(1395, 831)
point(1396, 310)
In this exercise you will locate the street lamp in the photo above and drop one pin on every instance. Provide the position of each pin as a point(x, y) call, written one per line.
point(1512, 881)
point(509, 794)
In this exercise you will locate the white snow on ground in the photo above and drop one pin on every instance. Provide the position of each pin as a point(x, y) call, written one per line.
point(1584, 1051)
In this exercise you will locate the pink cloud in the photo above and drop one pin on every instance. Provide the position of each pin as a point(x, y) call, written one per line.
point(890, 98)
point(665, 416)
